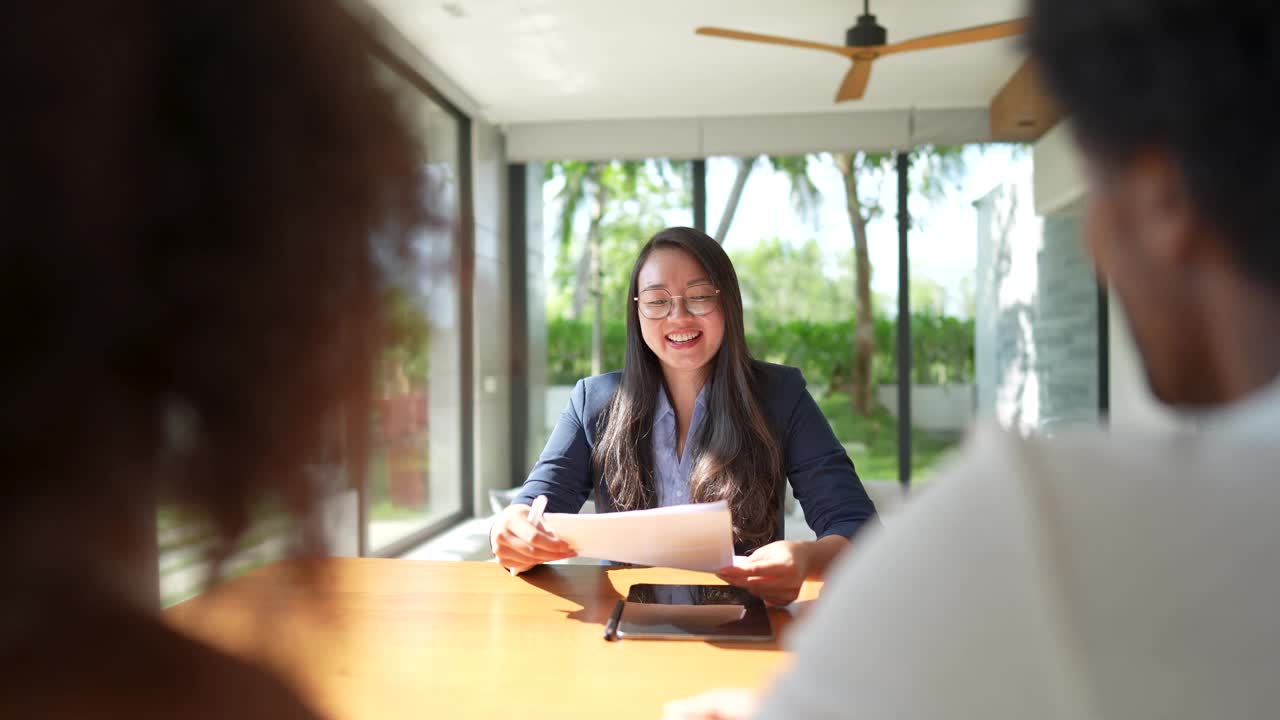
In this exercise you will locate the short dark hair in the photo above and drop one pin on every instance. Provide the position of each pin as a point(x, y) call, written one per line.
point(190, 197)
point(1198, 78)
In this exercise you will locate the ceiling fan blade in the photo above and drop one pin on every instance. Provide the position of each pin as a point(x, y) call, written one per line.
point(958, 37)
point(855, 81)
point(775, 40)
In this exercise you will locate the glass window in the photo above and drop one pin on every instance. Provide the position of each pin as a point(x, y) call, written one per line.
point(811, 237)
point(598, 214)
point(414, 478)
point(1004, 302)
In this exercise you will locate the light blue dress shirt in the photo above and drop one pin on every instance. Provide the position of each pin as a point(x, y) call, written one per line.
point(672, 470)
point(815, 464)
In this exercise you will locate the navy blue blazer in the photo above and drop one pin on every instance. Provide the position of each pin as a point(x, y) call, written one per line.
point(821, 474)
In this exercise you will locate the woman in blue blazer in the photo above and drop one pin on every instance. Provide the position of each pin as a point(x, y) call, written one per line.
point(693, 418)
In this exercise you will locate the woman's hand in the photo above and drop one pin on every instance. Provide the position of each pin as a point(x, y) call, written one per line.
point(775, 572)
point(728, 704)
point(520, 545)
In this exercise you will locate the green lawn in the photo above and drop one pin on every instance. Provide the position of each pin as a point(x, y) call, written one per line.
point(872, 442)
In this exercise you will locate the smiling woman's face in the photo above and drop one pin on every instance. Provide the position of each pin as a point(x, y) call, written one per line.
point(682, 341)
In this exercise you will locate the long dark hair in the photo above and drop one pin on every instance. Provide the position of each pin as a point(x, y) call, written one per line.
point(737, 456)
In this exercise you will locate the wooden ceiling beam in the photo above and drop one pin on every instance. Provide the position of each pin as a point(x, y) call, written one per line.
point(1022, 111)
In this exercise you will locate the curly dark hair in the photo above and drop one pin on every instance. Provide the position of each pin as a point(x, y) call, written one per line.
point(1197, 77)
point(194, 197)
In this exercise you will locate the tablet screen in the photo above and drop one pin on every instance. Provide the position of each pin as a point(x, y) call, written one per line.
point(711, 612)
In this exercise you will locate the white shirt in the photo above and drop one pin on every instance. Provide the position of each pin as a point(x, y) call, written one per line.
point(1092, 576)
point(1256, 416)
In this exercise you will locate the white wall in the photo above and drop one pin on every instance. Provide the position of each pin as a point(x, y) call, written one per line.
point(1058, 178)
point(492, 306)
point(790, 134)
point(535, 315)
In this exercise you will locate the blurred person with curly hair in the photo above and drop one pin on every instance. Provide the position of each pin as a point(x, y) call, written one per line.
point(197, 204)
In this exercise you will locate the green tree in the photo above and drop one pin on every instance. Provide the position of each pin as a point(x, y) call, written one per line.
point(405, 357)
point(622, 202)
point(941, 348)
point(856, 167)
point(779, 284)
point(745, 164)
point(927, 295)
point(864, 175)
point(804, 193)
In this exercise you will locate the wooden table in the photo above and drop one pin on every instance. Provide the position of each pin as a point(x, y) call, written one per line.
point(411, 639)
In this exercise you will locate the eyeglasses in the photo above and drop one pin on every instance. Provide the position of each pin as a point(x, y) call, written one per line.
point(657, 303)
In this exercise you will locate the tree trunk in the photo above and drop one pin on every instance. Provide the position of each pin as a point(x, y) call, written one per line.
point(735, 194)
point(864, 336)
point(582, 277)
point(597, 280)
point(581, 282)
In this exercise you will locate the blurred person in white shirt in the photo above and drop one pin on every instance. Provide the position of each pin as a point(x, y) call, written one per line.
point(1101, 575)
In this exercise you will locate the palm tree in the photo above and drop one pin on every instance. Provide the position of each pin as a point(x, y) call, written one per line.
point(595, 185)
point(935, 166)
point(735, 195)
point(804, 194)
point(805, 197)
point(851, 166)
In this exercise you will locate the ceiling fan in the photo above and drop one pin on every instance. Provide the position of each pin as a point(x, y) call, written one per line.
point(867, 40)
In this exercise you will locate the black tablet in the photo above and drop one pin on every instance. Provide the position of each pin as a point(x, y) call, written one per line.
point(690, 612)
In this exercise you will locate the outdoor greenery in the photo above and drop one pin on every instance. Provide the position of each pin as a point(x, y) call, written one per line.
point(603, 213)
point(942, 349)
point(797, 311)
point(803, 304)
point(872, 441)
point(407, 347)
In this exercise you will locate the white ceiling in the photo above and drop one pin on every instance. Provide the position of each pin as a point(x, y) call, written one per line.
point(527, 61)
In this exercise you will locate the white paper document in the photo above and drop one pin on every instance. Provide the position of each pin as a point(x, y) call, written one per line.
point(691, 537)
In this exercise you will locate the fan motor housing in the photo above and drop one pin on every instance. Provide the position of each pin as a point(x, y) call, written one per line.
point(866, 33)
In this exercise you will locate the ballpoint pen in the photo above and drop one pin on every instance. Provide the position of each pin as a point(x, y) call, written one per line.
point(535, 518)
point(611, 627)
